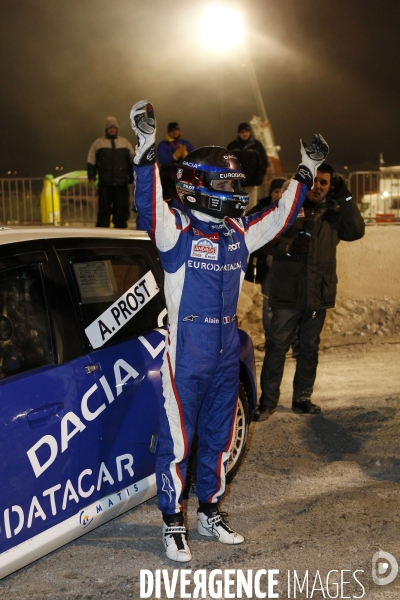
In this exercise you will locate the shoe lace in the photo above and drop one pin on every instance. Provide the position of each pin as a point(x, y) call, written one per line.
point(219, 519)
point(177, 533)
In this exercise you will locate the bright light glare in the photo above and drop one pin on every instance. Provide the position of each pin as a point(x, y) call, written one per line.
point(221, 27)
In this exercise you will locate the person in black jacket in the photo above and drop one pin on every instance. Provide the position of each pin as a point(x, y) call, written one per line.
point(111, 156)
point(303, 286)
point(251, 155)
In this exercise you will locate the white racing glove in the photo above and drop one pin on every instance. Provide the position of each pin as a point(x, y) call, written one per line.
point(311, 157)
point(144, 125)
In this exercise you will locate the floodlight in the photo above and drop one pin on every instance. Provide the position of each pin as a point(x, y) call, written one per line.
point(221, 27)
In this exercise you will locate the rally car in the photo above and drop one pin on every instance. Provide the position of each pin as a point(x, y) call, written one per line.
point(82, 334)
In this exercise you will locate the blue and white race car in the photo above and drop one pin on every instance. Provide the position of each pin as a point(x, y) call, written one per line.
point(82, 335)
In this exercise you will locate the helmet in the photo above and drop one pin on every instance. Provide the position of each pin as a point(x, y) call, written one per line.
point(209, 180)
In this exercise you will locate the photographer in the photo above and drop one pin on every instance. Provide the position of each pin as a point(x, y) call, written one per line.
point(303, 286)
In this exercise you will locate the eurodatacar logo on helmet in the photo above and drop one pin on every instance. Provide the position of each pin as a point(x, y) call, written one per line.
point(232, 175)
point(261, 583)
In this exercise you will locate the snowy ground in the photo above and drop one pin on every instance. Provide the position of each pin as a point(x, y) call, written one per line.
point(314, 493)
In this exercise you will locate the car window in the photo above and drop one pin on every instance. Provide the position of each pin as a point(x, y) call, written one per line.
point(25, 337)
point(118, 297)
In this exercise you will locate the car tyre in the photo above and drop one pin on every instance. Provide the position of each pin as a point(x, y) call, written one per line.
point(238, 446)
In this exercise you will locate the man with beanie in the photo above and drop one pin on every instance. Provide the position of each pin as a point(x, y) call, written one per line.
point(169, 153)
point(251, 155)
point(111, 157)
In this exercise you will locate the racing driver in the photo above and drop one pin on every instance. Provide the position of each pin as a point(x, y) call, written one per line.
point(203, 251)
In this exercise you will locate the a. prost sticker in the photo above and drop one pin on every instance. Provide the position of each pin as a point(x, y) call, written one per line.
point(122, 310)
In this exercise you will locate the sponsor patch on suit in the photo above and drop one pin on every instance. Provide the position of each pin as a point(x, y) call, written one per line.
point(204, 248)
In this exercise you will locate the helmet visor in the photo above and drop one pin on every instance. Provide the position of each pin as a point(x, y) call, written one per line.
point(230, 183)
point(223, 185)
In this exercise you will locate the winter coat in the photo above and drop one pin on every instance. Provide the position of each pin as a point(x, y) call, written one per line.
point(112, 159)
point(308, 281)
point(252, 157)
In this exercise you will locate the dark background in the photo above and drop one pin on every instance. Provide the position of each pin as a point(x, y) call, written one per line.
point(329, 67)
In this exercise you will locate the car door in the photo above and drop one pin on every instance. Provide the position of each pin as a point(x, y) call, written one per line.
point(117, 294)
point(39, 404)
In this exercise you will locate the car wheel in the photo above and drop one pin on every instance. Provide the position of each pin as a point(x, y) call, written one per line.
point(238, 446)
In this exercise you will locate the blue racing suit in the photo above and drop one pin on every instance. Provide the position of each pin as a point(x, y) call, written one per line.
point(204, 260)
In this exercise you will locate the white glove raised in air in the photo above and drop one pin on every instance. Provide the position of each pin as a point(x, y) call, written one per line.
point(311, 158)
point(144, 125)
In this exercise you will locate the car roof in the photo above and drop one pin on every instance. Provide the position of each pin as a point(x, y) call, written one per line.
point(9, 235)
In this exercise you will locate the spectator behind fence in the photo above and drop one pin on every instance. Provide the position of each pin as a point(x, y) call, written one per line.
point(251, 155)
point(111, 157)
point(169, 153)
point(303, 286)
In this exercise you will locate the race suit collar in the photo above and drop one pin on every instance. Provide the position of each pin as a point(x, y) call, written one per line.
point(203, 217)
point(208, 224)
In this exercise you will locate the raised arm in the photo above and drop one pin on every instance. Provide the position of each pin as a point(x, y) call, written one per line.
point(163, 224)
point(272, 221)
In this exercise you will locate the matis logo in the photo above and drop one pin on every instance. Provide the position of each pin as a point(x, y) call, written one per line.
point(84, 519)
point(204, 248)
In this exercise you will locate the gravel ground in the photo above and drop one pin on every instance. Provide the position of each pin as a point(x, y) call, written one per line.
point(315, 493)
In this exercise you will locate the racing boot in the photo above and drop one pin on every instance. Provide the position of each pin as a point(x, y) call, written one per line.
point(175, 538)
point(211, 523)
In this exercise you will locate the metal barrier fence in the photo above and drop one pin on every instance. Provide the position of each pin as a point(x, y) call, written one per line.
point(377, 194)
point(78, 202)
point(73, 200)
point(20, 200)
point(38, 200)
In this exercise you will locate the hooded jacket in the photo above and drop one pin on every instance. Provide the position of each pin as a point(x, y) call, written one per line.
point(111, 157)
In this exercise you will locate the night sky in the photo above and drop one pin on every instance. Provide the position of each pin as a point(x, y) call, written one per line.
point(327, 66)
